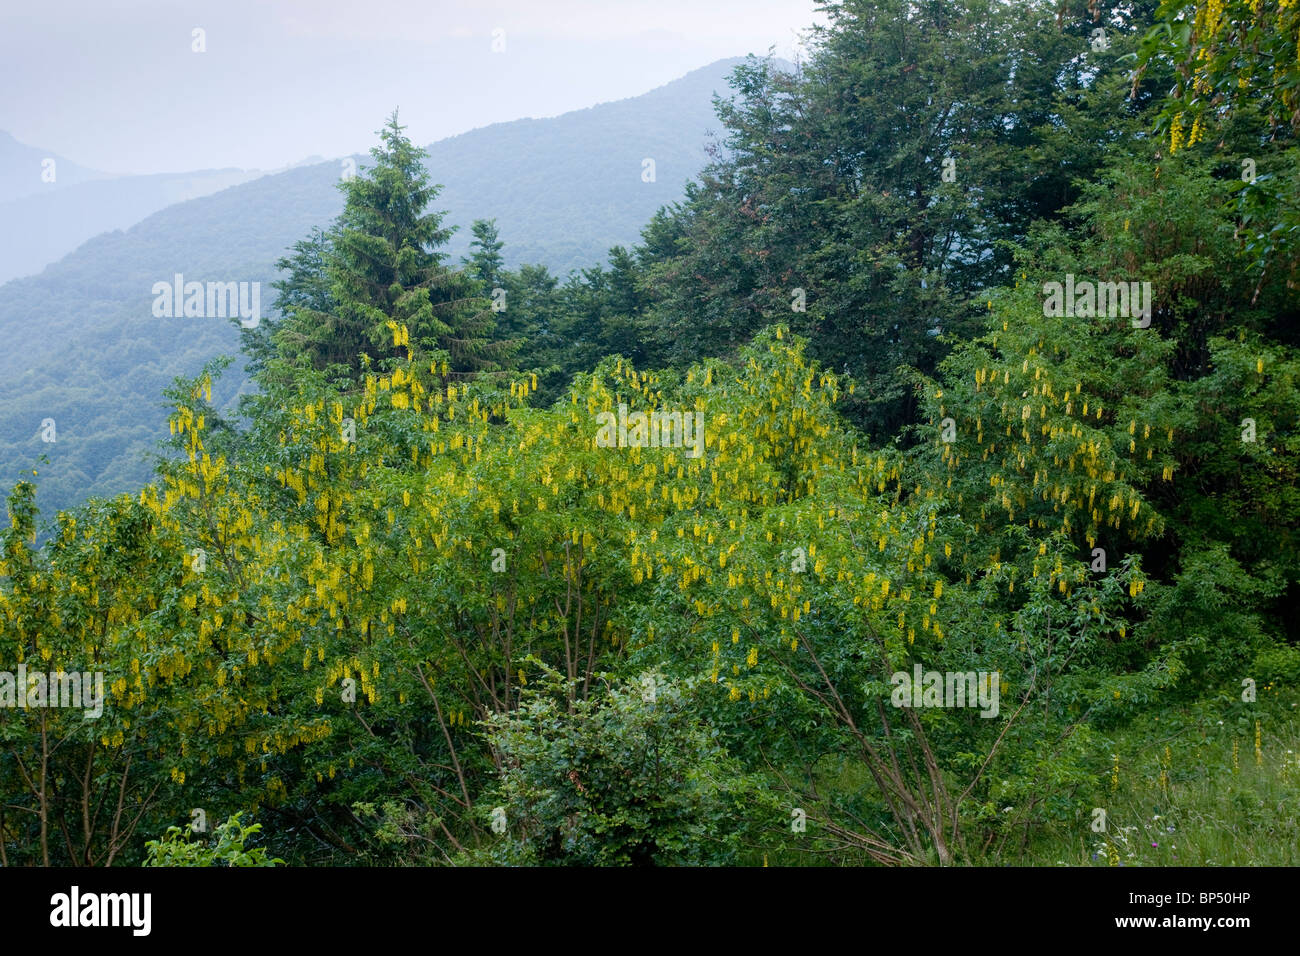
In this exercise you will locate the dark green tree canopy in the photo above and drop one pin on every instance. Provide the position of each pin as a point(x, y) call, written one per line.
point(380, 263)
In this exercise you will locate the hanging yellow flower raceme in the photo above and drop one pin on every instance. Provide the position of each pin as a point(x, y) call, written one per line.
point(1175, 142)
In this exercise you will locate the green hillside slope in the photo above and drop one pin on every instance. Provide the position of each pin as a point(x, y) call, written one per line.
point(91, 355)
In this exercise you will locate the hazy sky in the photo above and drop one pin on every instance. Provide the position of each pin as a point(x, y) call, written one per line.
point(115, 84)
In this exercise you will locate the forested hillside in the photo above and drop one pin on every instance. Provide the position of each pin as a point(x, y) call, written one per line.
point(95, 359)
point(920, 489)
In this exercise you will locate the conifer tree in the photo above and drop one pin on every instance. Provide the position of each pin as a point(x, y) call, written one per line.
point(383, 264)
point(485, 262)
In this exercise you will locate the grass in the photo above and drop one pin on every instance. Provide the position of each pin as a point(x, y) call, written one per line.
point(1193, 789)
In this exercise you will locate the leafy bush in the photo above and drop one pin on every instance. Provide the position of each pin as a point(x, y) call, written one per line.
point(177, 849)
point(629, 777)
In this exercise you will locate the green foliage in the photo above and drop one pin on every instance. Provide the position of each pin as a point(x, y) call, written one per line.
point(1229, 55)
point(485, 261)
point(1235, 90)
point(381, 263)
point(883, 180)
point(227, 849)
point(443, 618)
point(631, 776)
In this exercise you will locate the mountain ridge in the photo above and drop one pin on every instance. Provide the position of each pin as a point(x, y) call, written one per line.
point(564, 190)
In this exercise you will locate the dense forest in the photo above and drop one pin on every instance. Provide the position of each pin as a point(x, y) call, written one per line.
point(919, 489)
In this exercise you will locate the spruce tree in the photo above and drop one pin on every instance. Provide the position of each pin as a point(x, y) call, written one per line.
point(305, 285)
point(382, 263)
point(485, 262)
